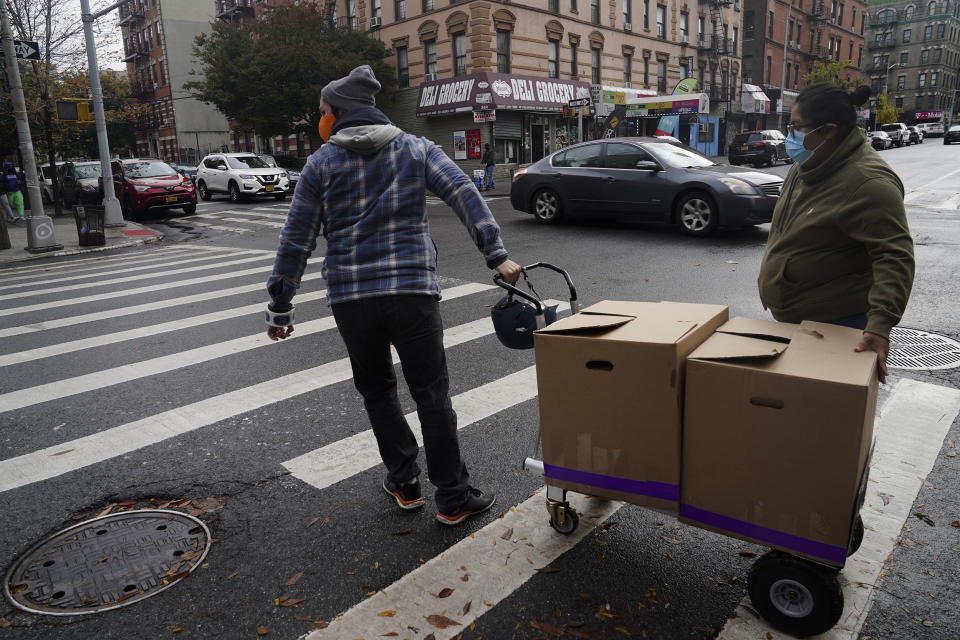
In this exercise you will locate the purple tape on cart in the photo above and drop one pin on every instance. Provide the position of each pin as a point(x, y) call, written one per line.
point(837, 555)
point(649, 488)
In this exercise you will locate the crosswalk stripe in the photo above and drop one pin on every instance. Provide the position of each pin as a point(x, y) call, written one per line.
point(259, 214)
point(263, 223)
point(109, 443)
point(63, 348)
point(30, 396)
point(909, 434)
point(191, 220)
point(88, 264)
point(192, 259)
point(498, 563)
point(141, 276)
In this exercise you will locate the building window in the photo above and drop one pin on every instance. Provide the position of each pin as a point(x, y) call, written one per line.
point(685, 67)
point(899, 102)
point(573, 61)
point(941, 31)
point(937, 53)
point(906, 35)
point(901, 82)
point(684, 26)
point(553, 58)
point(863, 21)
point(840, 15)
point(661, 76)
point(770, 25)
point(430, 57)
point(375, 10)
point(573, 6)
point(931, 8)
point(661, 21)
point(506, 150)
point(553, 6)
point(646, 14)
point(701, 36)
point(796, 75)
point(400, 9)
point(903, 59)
point(736, 41)
point(790, 30)
point(837, 50)
point(503, 51)
point(627, 70)
point(594, 65)
point(928, 32)
point(933, 79)
point(595, 11)
point(769, 66)
point(403, 72)
point(787, 75)
point(922, 80)
point(427, 5)
point(628, 15)
point(930, 102)
point(853, 21)
point(700, 78)
point(646, 72)
point(859, 55)
point(924, 56)
point(460, 54)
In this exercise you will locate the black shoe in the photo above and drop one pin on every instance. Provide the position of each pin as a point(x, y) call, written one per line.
point(407, 495)
point(477, 502)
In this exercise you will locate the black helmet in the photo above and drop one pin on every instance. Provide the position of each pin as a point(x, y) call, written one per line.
point(515, 321)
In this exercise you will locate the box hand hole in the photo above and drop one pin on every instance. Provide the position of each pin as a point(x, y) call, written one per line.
point(771, 403)
point(600, 365)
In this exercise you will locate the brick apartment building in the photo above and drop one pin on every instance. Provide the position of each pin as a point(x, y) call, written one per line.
point(812, 30)
point(158, 38)
point(913, 55)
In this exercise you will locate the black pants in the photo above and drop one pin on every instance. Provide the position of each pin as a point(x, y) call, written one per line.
point(412, 324)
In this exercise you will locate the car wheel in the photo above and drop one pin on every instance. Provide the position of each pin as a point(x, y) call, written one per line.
point(190, 209)
point(546, 206)
point(234, 192)
point(697, 214)
point(771, 159)
point(202, 191)
point(280, 196)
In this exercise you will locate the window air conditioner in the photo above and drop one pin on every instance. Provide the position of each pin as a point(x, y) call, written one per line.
point(628, 26)
point(793, 43)
point(374, 23)
point(429, 77)
point(685, 38)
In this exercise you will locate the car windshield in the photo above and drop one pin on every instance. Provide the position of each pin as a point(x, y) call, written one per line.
point(246, 162)
point(679, 157)
point(154, 169)
point(87, 171)
point(269, 160)
point(742, 138)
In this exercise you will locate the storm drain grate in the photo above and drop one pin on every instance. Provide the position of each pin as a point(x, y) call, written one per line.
point(919, 350)
point(107, 562)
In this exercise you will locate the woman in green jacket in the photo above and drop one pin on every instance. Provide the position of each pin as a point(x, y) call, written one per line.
point(839, 248)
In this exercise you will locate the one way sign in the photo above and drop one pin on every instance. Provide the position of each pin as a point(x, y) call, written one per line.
point(25, 49)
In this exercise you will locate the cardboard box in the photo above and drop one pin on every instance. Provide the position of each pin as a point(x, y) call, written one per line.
point(778, 426)
point(610, 381)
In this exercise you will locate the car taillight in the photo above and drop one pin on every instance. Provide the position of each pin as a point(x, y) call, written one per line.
point(758, 145)
point(518, 173)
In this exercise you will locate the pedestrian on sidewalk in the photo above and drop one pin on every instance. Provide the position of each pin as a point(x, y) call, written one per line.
point(839, 248)
point(13, 195)
point(489, 164)
point(5, 203)
point(366, 192)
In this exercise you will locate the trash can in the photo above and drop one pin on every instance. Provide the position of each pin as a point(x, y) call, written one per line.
point(89, 219)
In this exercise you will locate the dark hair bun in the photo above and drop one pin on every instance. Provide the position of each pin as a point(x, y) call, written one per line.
point(859, 95)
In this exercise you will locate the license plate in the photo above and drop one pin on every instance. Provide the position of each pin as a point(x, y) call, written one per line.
point(269, 188)
point(743, 148)
point(172, 198)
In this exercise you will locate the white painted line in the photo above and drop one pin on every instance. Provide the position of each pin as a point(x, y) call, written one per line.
point(194, 258)
point(143, 276)
point(98, 316)
point(82, 452)
point(256, 214)
point(915, 192)
point(262, 223)
point(189, 220)
point(340, 460)
point(497, 567)
point(909, 434)
point(22, 398)
point(75, 266)
point(63, 348)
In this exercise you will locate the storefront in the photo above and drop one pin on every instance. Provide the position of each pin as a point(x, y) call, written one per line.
point(521, 116)
point(756, 106)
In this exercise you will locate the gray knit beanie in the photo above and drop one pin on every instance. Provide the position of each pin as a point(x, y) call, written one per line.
point(354, 91)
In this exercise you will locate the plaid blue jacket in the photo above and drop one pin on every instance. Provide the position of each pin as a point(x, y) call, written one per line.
point(372, 211)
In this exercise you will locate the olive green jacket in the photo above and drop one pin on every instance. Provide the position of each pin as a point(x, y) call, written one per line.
point(839, 244)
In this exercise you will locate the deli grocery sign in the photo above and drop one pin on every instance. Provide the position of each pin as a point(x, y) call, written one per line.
point(497, 91)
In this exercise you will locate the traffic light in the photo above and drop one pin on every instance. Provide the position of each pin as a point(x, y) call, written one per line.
point(78, 110)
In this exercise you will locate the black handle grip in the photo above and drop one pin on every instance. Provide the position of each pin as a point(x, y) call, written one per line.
point(498, 280)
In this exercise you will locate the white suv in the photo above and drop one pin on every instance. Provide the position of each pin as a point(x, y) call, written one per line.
point(240, 175)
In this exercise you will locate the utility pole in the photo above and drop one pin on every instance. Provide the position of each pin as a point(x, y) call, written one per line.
point(783, 67)
point(113, 215)
point(953, 105)
point(48, 242)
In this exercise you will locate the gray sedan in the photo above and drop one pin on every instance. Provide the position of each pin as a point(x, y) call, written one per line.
point(646, 179)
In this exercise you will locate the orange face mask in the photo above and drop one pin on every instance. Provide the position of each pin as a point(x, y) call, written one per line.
point(326, 124)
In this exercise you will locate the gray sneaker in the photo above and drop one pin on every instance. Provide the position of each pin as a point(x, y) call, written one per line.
point(477, 502)
point(407, 495)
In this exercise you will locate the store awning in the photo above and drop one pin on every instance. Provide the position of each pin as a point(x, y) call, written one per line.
point(492, 91)
point(753, 99)
point(606, 99)
point(656, 106)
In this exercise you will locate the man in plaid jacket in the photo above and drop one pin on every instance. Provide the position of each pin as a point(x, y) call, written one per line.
point(366, 192)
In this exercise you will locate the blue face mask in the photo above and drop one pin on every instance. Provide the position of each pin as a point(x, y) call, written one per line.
point(795, 148)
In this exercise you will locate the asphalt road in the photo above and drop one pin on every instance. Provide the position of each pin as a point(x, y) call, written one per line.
point(169, 365)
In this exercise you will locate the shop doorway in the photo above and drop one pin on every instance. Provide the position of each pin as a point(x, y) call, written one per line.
point(537, 141)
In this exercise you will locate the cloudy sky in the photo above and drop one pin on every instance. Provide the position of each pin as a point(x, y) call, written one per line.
point(109, 55)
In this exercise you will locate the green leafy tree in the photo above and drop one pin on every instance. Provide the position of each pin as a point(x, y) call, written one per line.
point(886, 112)
point(270, 83)
point(838, 73)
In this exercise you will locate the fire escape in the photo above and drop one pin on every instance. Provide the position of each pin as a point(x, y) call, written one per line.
point(234, 10)
point(714, 47)
point(818, 16)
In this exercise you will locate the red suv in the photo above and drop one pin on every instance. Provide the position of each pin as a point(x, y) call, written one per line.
point(149, 183)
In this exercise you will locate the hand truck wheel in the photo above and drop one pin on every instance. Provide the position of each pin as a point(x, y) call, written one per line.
point(795, 596)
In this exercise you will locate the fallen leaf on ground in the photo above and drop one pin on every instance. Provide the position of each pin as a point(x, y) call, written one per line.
point(174, 630)
point(466, 607)
point(465, 577)
point(402, 533)
point(548, 628)
point(262, 631)
point(670, 540)
point(507, 534)
point(548, 569)
point(292, 581)
point(60, 453)
point(303, 618)
point(769, 636)
point(4, 623)
point(287, 600)
point(106, 510)
point(387, 614)
point(927, 623)
point(955, 523)
point(446, 592)
point(392, 634)
point(441, 622)
point(315, 520)
point(320, 624)
point(668, 556)
point(925, 518)
point(430, 637)
point(623, 631)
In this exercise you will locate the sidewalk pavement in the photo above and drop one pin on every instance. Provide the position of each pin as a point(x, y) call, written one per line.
point(65, 230)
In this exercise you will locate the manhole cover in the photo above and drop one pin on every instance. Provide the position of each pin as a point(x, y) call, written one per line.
point(107, 562)
point(912, 349)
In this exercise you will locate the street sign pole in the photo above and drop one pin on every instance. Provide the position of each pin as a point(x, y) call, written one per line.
point(580, 124)
point(112, 214)
point(579, 104)
point(23, 127)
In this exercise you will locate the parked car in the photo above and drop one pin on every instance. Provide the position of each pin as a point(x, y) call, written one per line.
point(291, 164)
point(149, 183)
point(932, 129)
point(758, 148)
point(79, 183)
point(188, 170)
point(916, 135)
point(897, 132)
point(952, 135)
point(647, 179)
point(240, 175)
point(879, 140)
point(46, 181)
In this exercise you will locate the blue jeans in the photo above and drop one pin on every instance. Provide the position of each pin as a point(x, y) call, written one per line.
point(412, 324)
point(489, 171)
point(858, 321)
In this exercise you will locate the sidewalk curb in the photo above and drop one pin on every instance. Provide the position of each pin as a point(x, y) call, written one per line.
point(157, 237)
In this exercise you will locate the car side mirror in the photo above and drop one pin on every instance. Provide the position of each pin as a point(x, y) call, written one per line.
point(647, 165)
point(222, 167)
